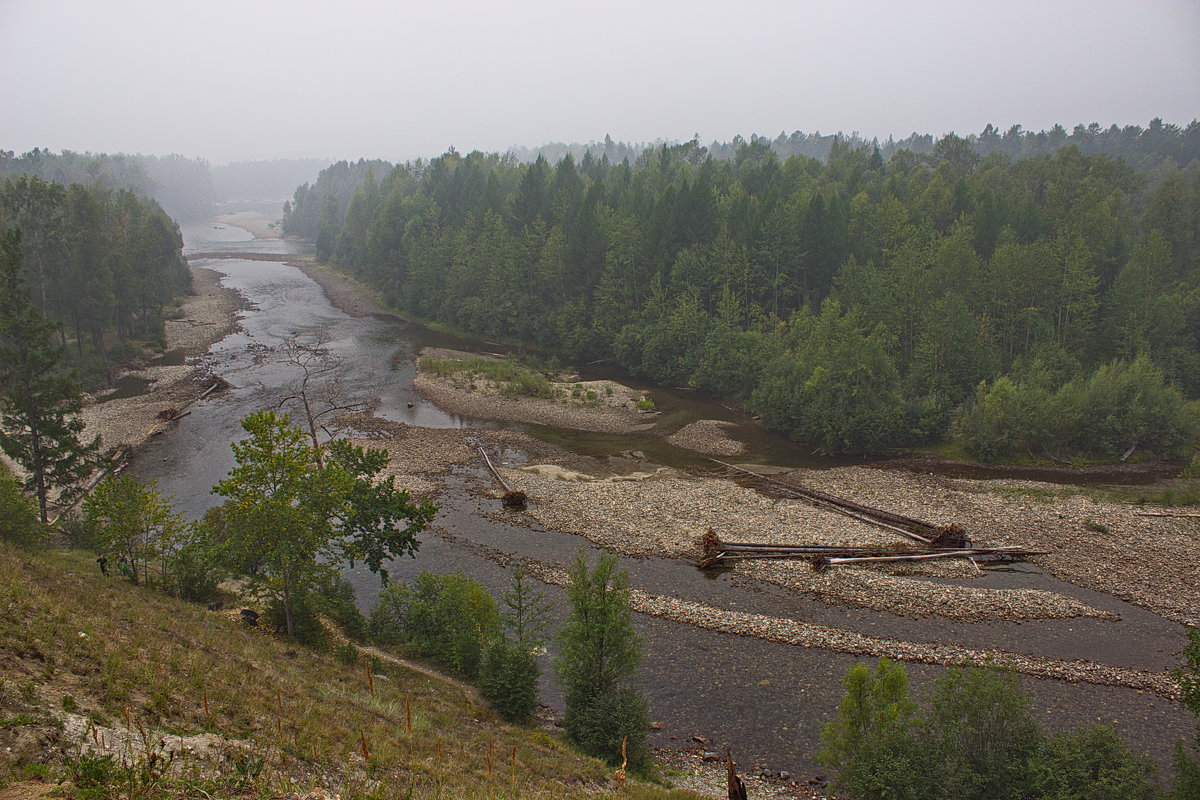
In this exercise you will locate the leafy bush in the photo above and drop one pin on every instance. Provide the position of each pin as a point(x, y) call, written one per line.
point(1121, 405)
point(19, 522)
point(191, 572)
point(336, 599)
point(447, 618)
point(306, 626)
point(834, 386)
point(985, 732)
point(979, 740)
point(872, 745)
point(509, 671)
point(1092, 764)
point(508, 676)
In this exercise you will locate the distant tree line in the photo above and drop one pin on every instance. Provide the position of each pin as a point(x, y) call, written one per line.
point(1142, 147)
point(188, 189)
point(103, 263)
point(857, 303)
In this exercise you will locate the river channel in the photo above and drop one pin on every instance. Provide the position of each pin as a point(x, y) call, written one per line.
point(765, 700)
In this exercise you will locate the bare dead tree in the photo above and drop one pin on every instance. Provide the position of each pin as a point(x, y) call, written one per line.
point(320, 390)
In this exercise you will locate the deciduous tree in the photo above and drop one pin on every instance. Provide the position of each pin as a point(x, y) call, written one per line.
point(296, 521)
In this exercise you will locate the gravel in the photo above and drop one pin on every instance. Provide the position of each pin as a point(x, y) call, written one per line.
point(664, 512)
point(804, 634)
point(708, 436)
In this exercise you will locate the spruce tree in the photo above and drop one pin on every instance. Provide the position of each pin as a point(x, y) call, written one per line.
point(39, 428)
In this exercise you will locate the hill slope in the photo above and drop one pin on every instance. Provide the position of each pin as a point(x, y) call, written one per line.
point(118, 686)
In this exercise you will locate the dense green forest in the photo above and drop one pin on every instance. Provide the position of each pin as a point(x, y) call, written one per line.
point(103, 263)
point(1043, 306)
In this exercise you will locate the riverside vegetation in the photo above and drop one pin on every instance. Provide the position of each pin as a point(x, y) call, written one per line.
point(1026, 303)
point(124, 692)
point(203, 704)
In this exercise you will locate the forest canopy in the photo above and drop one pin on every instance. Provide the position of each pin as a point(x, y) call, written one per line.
point(102, 263)
point(857, 302)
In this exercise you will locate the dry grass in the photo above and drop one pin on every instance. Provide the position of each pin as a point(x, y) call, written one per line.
point(128, 659)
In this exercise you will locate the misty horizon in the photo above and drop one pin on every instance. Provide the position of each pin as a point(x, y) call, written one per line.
point(231, 82)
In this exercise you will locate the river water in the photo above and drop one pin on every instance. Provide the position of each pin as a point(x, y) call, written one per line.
point(767, 701)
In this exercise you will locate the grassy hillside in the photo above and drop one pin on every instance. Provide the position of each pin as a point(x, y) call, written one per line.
point(132, 694)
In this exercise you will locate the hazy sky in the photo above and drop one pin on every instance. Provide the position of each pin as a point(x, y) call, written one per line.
point(260, 79)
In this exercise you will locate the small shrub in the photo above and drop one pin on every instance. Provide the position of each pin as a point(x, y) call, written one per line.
point(448, 618)
point(124, 351)
point(1092, 764)
point(336, 600)
point(645, 404)
point(19, 521)
point(508, 676)
point(37, 771)
point(305, 624)
point(347, 654)
point(1092, 525)
point(191, 573)
point(68, 704)
point(92, 775)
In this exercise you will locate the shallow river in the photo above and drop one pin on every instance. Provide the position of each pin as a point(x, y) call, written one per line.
point(767, 701)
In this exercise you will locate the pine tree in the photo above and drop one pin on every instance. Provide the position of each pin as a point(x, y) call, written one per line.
point(39, 428)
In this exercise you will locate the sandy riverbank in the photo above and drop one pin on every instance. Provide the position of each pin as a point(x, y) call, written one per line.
point(260, 225)
point(208, 315)
point(479, 403)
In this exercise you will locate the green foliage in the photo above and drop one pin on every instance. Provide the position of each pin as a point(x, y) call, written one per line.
point(131, 520)
point(834, 386)
point(446, 618)
point(508, 675)
point(512, 378)
point(19, 522)
point(872, 745)
point(978, 740)
point(101, 263)
point(985, 734)
point(526, 611)
point(290, 520)
point(709, 267)
point(39, 428)
point(599, 654)
point(1092, 764)
point(191, 571)
point(337, 600)
point(1122, 405)
point(508, 679)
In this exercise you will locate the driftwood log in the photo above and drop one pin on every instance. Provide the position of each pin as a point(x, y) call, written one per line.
point(511, 498)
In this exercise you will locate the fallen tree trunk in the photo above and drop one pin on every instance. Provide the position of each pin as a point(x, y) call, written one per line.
point(897, 523)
